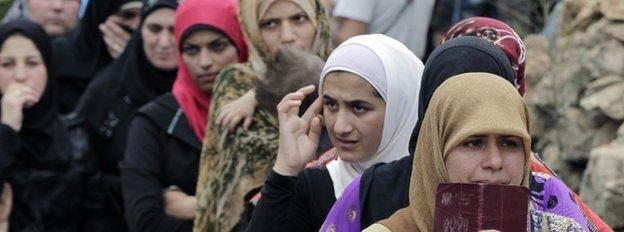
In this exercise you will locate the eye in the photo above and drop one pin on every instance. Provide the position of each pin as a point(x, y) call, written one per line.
point(190, 50)
point(269, 24)
point(359, 109)
point(300, 18)
point(510, 143)
point(32, 63)
point(330, 105)
point(473, 144)
point(7, 64)
point(219, 45)
point(155, 29)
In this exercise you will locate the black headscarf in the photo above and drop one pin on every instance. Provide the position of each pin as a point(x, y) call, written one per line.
point(384, 188)
point(36, 127)
point(80, 54)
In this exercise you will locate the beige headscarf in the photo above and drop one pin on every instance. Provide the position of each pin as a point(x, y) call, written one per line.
point(251, 11)
point(464, 105)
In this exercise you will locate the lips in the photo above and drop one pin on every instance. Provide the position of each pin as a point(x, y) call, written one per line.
point(490, 182)
point(346, 144)
point(207, 78)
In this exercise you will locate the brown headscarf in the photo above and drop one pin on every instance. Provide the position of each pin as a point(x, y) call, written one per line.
point(464, 105)
point(251, 11)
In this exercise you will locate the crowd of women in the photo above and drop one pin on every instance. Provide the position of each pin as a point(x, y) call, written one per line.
point(225, 115)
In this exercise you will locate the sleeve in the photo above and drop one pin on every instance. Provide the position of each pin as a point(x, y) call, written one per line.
point(142, 181)
point(283, 206)
point(559, 200)
point(9, 147)
point(360, 10)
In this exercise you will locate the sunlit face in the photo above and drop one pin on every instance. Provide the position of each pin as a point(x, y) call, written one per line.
point(286, 23)
point(21, 62)
point(158, 40)
point(57, 17)
point(205, 53)
point(354, 116)
point(487, 158)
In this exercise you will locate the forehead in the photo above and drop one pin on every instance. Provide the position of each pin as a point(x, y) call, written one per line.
point(281, 8)
point(161, 16)
point(345, 85)
point(18, 44)
point(203, 36)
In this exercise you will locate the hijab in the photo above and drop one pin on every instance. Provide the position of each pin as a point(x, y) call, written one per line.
point(37, 128)
point(384, 188)
point(465, 105)
point(191, 14)
point(498, 33)
point(394, 72)
point(250, 13)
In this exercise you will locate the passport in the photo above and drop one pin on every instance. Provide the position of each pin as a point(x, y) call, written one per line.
point(475, 207)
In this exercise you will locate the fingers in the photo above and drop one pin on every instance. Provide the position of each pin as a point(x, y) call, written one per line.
point(231, 124)
point(314, 132)
point(6, 202)
point(247, 123)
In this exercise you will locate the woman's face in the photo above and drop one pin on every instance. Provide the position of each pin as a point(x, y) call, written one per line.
point(21, 62)
point(205, 53)
point(354, 116)
point(286, 23)
point(487, 158)
point(158, 40)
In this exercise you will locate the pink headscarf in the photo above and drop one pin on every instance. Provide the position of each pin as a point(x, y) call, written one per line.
point(219, 14)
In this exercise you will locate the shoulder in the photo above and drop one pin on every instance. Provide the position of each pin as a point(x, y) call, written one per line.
point(235, 73)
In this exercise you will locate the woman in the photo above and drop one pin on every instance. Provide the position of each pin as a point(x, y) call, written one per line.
point(143, 72)
point(83, 52)
point(476, 131)
point(382, 187)
point(164, 136)
point(369, 111)
point(235, 162)
point(47, 166)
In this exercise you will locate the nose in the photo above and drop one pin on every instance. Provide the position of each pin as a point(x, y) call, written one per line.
point(165, 40)
point(205, 61)
point(342, 124)
point(288, 35)
point(492, 159)
point(21, 74)
point(56, 5)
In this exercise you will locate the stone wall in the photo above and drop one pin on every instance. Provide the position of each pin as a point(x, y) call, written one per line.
point(576, 93)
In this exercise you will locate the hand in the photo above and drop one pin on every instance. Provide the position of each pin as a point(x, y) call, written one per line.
point(115, 37)
point(17, 97)
point(298, 136)
point(6, 203)
point(178, 204)
point(241, 109)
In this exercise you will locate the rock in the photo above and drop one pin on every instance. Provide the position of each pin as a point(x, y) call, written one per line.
point(602, 83)
point(579, 14)
point(595, 33)
point(609, 101)
point(602, 186)
point(538, 59)
point(620, 134)
point(615, 30)
point(611, 57)
point(612, 9)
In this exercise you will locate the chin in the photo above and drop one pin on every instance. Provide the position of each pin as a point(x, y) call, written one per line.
point(350, 156)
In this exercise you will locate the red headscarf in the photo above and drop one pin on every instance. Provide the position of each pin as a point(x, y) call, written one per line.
point(219, 14)
point(499, 34)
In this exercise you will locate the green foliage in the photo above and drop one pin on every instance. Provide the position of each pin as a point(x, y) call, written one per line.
point(4, 6)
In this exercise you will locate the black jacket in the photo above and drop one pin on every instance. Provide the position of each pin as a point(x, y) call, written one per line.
point(294, 203)
point(162, 151)
point(51, 190)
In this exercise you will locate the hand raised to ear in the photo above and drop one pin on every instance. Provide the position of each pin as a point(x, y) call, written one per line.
point(298, 136)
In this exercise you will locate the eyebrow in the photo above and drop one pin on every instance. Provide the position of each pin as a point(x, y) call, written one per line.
point(352, 102)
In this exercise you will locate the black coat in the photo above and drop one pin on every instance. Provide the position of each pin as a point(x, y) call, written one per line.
point(162, 151)
point(51, 189)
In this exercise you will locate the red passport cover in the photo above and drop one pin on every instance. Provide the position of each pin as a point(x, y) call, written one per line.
point(475, 207)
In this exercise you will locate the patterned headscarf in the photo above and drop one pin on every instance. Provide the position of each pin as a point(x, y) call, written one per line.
point(499, 34)
point(465, 105)
point(251, 11)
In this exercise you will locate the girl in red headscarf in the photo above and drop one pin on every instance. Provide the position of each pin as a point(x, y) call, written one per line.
point(160, 167)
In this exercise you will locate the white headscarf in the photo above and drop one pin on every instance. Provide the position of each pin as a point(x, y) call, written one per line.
point(395, 72)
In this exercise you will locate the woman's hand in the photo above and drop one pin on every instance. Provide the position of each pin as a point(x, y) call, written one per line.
point(178, 204)
point(241, 109)
point(6, 204)
point(17, 97)
point(298, 136)
point(115, 37)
